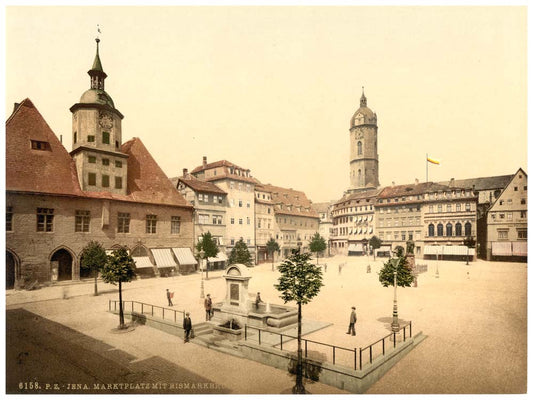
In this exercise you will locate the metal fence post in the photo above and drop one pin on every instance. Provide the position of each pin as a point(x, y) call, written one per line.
point(142, 308)
point(306, 349)
point(410, 333)
point(383, 345)
point(394, 335)
point(175, 319)
point(245, 332)
point(404, 333)
point(152, 310)
point(360, 358)
point(370, 354)
point(163, 313)
point(259, 336)
point(281, 341)
point(355, 358)
point(333, 355)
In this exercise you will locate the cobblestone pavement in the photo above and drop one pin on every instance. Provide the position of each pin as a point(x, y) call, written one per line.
point(475, 318)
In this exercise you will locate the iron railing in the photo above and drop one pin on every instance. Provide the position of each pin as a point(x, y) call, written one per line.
point(149, 309)
point(356, 358)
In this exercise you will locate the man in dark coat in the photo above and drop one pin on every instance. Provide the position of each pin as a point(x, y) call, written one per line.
point(169, 298)
point(353, 320)
point(208, 305)
point(187, 326)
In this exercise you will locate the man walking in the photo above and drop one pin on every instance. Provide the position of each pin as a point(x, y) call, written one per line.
point(187, 326)
point(353, 320)
point(208, 304)
point(169, 298)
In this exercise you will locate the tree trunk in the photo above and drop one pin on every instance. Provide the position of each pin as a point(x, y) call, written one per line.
point(95, 285)
point(317, 258)
point(467, 255)
point(272, 261)
point(206, 269)
point(121, 310)
point(299, 387)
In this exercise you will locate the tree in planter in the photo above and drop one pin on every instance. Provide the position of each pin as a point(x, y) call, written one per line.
point(240, 254)
point(375, 243)
point(209, 245)
point(470, 243)
point(317, 244)
point(93, 258)
point(300, 281)
point(272, 246)
point(119, 267)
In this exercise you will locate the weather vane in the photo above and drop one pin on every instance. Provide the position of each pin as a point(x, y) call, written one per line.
point(99, 31)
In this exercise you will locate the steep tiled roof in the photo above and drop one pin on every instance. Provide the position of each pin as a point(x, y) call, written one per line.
point(321, 207)
point(354, 198)
point(42, 171)
point(198, 185)
point(290, 197)
point(487, 183)
point(411, 189)
point(226, 165)
point(53, 171)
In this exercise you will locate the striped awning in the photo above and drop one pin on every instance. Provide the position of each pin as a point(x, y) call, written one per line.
point(184, 256)
point(502, 249)
point(219, 258)
point(142, 262)
point(448, 250)
point(163, 258)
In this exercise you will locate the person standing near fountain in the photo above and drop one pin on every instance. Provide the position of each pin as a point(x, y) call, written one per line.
point(258, 300)
point(208, 304)
point(187, 326)
point(353, 320)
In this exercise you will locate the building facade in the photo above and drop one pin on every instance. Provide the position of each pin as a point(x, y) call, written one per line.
point(113, 193)
point(264, 222)
point(239, 185)
point(507, 222)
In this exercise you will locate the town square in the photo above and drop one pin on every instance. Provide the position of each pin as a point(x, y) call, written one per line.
point(266, 200)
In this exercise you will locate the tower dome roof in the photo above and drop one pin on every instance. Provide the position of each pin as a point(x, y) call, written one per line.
point(363, 115)
point(97, 96)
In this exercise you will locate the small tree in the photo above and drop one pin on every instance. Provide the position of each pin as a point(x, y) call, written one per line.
point(272, 247)
point(470, 243)
point(93, 258)
point(240, 254)
point(209, 245)
point(375, 243)
point(404, 276)
point(300, 281)
point(119, 267)
point(317, 244)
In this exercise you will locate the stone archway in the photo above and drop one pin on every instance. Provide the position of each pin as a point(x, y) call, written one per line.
point(11, 270)
point(62, 260)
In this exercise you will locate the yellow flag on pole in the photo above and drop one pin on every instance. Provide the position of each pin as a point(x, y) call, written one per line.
point(433, 161)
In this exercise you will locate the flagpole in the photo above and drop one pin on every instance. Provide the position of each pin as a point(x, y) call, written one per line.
point(426, 167)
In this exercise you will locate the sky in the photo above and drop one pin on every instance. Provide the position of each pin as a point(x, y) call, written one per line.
point(273, 89)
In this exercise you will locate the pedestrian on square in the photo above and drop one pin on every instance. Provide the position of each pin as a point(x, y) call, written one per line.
point(170, 295)
point(258, 300)
point(353, 320)
point(208, 305)
point(187, 326)
point(325, 267)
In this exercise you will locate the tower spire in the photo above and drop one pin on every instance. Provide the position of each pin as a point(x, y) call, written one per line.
point(362, 102)
point(97, 73)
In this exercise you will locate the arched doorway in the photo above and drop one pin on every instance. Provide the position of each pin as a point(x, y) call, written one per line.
point(62, 260)
point(10, 270)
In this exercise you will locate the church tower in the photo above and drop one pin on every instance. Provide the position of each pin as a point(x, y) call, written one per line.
point(97, 137)
point(364, 172)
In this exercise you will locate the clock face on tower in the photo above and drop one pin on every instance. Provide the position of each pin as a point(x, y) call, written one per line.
point(106, 121)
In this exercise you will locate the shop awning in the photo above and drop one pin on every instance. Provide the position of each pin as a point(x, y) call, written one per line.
point(502, 249)
point(448, 250)
point(142, 262)
point(184, 256)
point(163, 258)
point(355, 247)
point(519, 249)
point(219, 258)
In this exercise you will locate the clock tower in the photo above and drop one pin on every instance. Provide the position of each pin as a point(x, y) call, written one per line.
point(97, 137)
point(364, 172)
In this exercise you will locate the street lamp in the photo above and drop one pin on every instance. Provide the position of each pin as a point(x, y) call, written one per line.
point(437, 271)
point(395, 326)
point(201, 254)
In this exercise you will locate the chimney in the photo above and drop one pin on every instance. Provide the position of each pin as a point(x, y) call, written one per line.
point(416, 181)
point(61, 139)
point(185, 171)
point(393, 183)
point(15, 106)
point(204, 162)
point(452, 182)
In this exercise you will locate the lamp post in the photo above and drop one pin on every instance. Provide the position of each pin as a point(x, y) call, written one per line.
point(437, 271)
point(202, 254)
point(395, 326)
